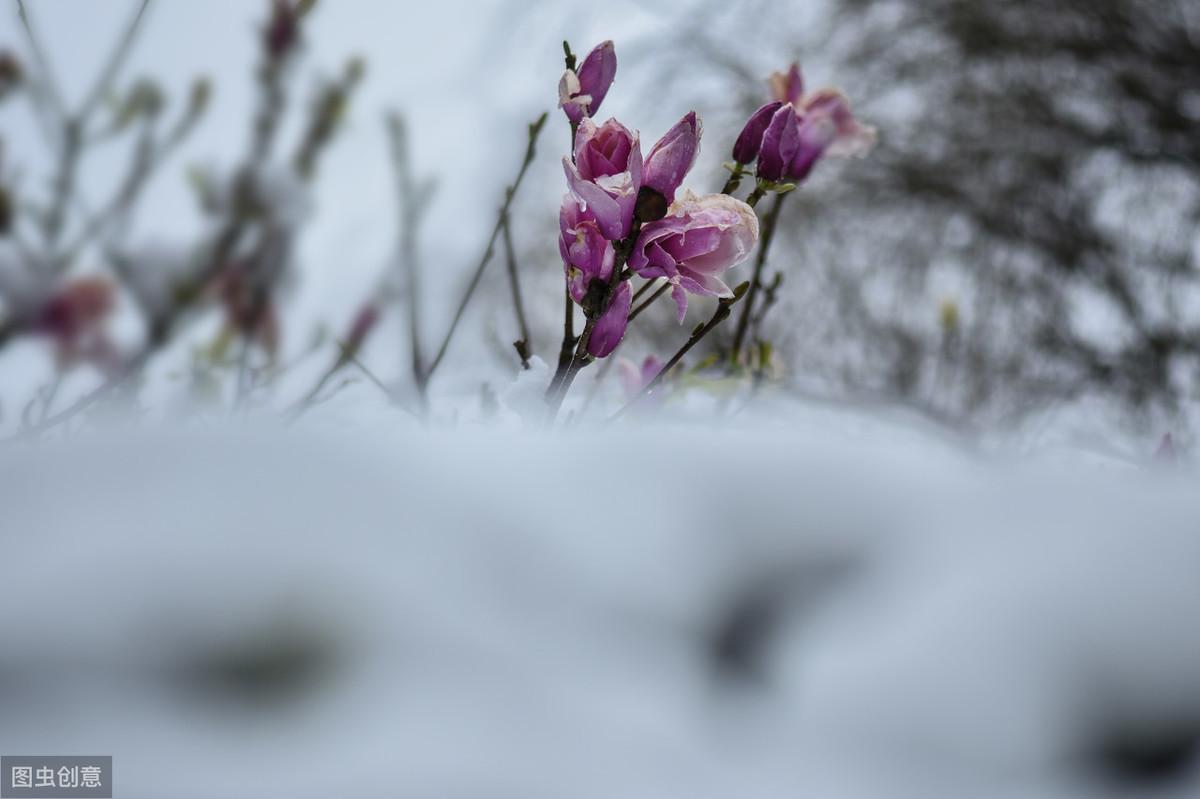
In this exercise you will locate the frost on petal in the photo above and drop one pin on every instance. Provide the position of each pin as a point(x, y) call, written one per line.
point(699, 239)
point(679, 295)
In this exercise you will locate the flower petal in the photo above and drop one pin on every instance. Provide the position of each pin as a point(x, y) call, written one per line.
point(610, 327)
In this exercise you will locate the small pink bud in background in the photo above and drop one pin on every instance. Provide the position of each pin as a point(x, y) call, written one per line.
point(672, 157)
point(787, 87)
point(634, 378)
point(74, 317)
point(282, 30)
point(610, 327)
point(581, 91)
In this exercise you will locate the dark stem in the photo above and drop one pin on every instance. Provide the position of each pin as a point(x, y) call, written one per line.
point(409, 207)
point(534, 131)
point(523, 345)
point(661, 291)
point(567, 348)
point(578, 360)
point(637, 295)
point(759, 192)
point(735, 180)
point(768, 234)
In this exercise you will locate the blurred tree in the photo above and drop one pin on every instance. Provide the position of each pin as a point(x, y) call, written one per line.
point(1025, 234)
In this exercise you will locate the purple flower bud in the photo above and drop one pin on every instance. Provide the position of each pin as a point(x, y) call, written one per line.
point(282, 30)
point(606, 175)
point(780, 142)
point(581, 91)
point(748, 143)
point(586, 254)
point(694, 244)
point(799, 136)
point(610, 327)
point(672, 157)
point(787, 87)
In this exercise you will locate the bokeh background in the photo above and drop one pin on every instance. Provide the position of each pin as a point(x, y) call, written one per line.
point(1018, 253)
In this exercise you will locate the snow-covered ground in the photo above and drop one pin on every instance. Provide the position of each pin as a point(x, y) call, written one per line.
point(821, 606)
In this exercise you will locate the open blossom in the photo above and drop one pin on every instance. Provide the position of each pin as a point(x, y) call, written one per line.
point(672, 157)
point(698, 240)
point(610, 327)
point(580, 91)
point(789, 135)
point(586, 254)
point(606, 175)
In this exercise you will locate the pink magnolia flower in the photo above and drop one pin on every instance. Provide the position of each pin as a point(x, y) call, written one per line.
point(606, 175)
point(699, 239)
point(586, 254)
point(788, 136)
point(581, 91)
point(672, 157)
point(610, 327)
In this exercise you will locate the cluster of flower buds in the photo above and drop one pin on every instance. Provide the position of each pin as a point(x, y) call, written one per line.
point(622, 211)
point(791, 133)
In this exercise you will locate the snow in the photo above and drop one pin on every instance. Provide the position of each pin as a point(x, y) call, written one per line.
point(375, 608)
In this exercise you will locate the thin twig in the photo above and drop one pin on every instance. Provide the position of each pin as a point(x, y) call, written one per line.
point(569, 340)
point(409, 206)
point(661, 291)
point(108, 74)
point(535, 130)
point(523, 345)
point(768, 235)
point(48, 86)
